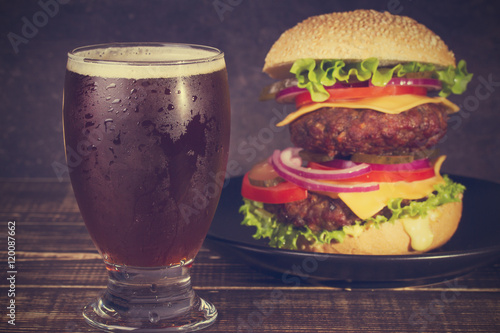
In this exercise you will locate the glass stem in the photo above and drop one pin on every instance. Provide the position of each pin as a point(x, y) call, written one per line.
point(150, 298)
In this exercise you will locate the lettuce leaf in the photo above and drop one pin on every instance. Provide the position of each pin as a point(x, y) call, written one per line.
point(285, 236)
point(315, 75)
point(454, 80)
point(444, 193)
point(281, 235)
point(309, 77)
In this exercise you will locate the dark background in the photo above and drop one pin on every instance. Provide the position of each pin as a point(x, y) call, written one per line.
point(32, 76)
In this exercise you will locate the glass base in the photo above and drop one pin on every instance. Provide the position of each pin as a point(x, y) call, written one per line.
point(149, 300)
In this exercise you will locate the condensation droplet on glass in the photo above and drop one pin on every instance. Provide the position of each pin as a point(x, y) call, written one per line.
point(111, 85)
point(195, 98)
point(154, 288)
point(108, 98)
point(107, 124)
point(111, 109)
point(116, 101)
point(133, 90)
point(117, 140)
point(154, 317)
point(170, 107)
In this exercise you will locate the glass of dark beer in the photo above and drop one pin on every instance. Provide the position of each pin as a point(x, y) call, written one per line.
point(146, 129)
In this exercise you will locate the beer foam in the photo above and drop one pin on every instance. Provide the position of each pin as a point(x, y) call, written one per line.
point(145, 61)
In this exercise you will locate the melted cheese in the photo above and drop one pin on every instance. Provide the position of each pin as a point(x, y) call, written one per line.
point(420, 232)
point(386, 104)
point(367, 204)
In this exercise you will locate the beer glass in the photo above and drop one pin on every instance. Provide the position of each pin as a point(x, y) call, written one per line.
point(146, 129)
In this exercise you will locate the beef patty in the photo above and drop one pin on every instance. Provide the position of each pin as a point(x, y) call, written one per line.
point(344, 131)
point(320, 212)
point(317, 211)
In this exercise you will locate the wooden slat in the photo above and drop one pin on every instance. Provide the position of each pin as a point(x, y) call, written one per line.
point(36, 196)
point(91, 272)
point(47, 218)
point(275, 310)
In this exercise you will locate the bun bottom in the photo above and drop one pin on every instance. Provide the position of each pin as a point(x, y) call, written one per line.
point(391, 238)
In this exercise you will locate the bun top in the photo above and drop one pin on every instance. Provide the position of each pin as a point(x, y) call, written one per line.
point(355, 36)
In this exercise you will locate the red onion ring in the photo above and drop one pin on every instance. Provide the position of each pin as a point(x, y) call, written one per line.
point(288, 94)
point(314, 185)
point(292, 162)
point(431, 84)
point(410, 166)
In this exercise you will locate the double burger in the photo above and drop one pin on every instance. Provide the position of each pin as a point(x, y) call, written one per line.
point(363, 174)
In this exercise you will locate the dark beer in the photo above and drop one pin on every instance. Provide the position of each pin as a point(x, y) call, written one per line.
point(147, 152)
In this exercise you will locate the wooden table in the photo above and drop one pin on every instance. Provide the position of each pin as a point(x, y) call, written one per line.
point(57, 271)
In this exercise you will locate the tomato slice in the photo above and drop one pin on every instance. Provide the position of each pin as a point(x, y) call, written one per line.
point(361, 92)
point(282, 193)
point(394, 176)
point(379, 176)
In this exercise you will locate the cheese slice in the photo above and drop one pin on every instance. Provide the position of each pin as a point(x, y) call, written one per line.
point(367, 204)
point(386, 104)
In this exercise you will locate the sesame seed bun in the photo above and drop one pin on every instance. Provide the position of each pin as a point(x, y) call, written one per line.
point(355, 36)
point(392, 239)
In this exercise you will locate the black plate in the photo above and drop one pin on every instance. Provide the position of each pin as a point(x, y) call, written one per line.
point(474, 244)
